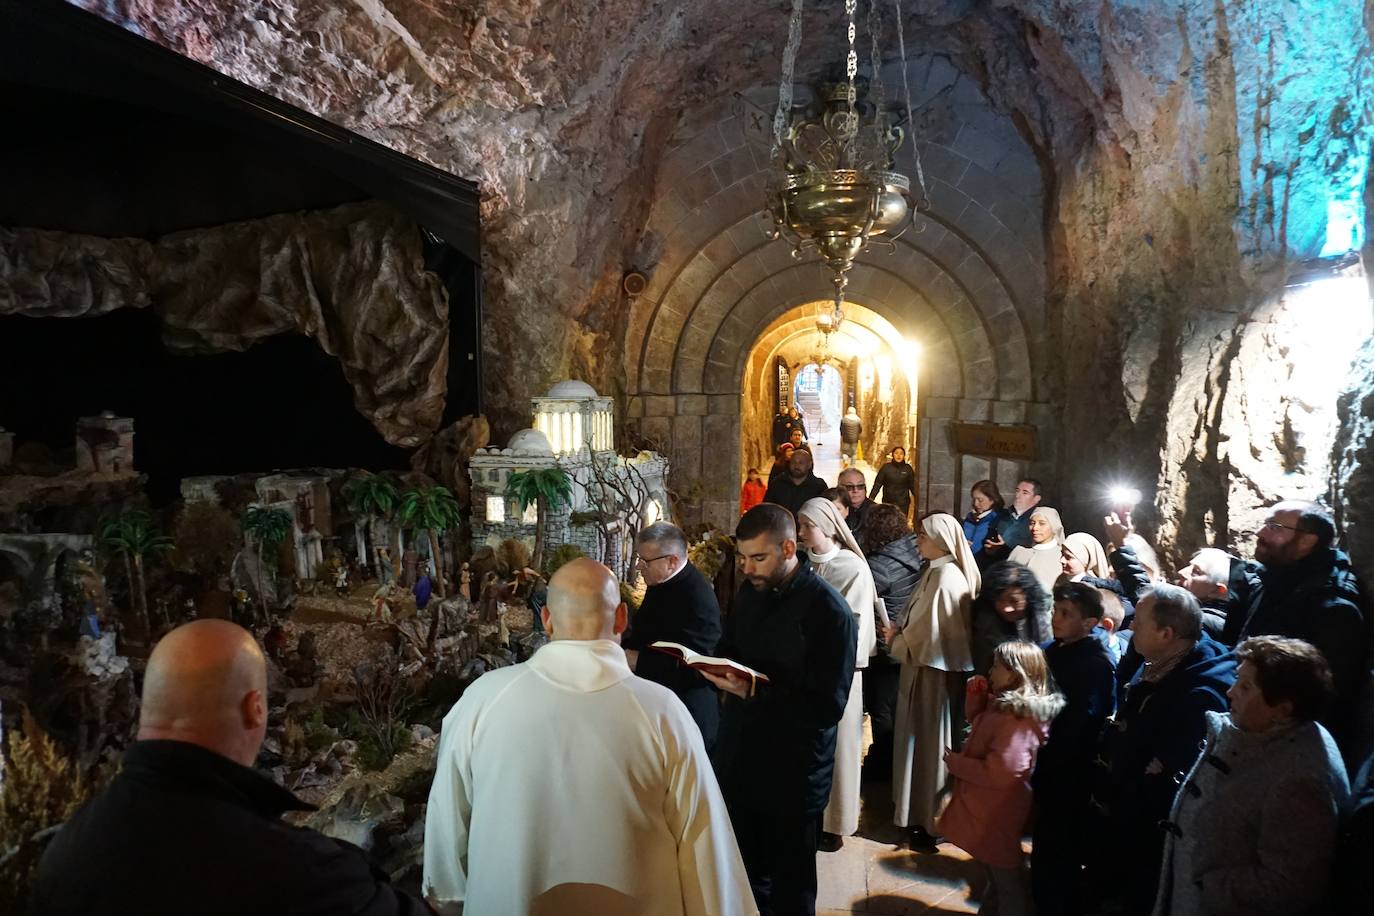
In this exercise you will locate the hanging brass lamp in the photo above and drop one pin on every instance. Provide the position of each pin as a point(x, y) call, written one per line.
point(835, 187)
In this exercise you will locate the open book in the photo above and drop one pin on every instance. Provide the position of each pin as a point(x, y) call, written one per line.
point(707, 663)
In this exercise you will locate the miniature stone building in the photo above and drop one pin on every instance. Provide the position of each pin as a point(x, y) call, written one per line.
point(605, 486)
point(105, 444)
point(307, 499)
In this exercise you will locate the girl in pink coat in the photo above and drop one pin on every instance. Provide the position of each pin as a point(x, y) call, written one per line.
point(1011, 711)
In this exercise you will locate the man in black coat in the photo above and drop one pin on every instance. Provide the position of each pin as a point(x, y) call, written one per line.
point(794, 488)
point(1308, 591)
point(679, 606)
point(187, 826)
point(1226, 587)
point(896, 480)
point(1153, 741)
point(1013, 523)
point(781, 428)
point(776, 753)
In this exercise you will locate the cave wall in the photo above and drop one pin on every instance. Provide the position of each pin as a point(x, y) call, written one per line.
point(351, 277)
point(1230, 143)
point(1187, 156)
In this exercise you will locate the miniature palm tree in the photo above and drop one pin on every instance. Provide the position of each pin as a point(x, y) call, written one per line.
point(370, 498)
point(545, 488)
point(266, 528)
point(434, 509)
point(132, 534)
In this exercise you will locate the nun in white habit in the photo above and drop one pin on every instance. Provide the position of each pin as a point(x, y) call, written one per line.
point(1044, 557)
point(837, 559)
point(933, 648)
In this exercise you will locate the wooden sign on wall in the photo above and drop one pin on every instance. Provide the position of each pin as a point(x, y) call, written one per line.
point(986, 440)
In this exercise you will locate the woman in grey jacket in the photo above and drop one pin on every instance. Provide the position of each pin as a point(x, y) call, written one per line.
point(1253, 828)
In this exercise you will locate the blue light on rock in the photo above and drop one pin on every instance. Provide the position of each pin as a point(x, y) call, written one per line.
point(1344, 227)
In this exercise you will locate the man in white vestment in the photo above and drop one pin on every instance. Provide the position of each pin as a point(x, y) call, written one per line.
point(566, 785)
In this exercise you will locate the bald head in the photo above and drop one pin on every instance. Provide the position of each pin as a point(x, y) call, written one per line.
point(206, 684)
point(584, 602)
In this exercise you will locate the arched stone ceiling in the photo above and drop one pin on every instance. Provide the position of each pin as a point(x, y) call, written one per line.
point(969, 284)
point(863, 333)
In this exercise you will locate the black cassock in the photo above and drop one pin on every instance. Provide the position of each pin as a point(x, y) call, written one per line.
point(681, 610)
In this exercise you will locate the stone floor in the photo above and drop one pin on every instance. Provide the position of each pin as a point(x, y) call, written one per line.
point(876, 873)
point(828, 463)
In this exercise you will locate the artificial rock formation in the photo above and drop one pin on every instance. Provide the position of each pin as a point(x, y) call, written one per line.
point(1186, 157)
point(352, 278)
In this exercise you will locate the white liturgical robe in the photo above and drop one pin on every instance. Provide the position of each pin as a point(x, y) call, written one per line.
point(566, 785)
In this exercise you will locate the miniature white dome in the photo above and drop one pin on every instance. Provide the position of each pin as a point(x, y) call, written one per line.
point(571, 388)
point(530, 440)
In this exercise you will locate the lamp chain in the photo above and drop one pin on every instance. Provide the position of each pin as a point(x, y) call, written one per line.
point(906, 89)
point(851, 68)
point(875, 28)
point(789, 65)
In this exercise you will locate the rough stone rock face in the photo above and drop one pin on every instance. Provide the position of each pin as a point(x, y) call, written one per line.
point(1189, 155)
point(352, 278)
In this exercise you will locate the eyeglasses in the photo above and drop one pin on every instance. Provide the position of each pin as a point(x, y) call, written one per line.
point(1276, 526)
point(647, 560)
point(855, 486)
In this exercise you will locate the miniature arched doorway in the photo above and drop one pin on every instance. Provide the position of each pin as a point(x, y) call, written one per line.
point(867, 364)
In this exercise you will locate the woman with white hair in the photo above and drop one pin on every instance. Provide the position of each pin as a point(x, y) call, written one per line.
point(1043, 557)
point(837, 559)
point(933, 648)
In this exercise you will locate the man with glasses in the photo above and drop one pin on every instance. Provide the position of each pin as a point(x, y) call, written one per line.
point(1308, 591)
point(851, 481)
point(679, 606)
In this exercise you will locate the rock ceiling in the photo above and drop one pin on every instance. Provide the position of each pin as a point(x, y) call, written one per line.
point(1186, 153)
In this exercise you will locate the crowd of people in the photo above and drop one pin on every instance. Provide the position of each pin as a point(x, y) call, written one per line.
point(1170, 748)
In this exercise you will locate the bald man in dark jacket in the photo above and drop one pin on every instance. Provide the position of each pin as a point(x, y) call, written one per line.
point(188, 826)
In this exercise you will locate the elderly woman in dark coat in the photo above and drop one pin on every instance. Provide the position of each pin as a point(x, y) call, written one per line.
point(1012, 605)
point(890, 548)
point(1253, 827)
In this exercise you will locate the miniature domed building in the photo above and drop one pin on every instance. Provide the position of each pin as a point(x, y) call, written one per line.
point(572, 389)
point(575, 417)
point(532, 441)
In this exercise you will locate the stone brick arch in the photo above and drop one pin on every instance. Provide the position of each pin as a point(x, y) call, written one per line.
point(960, 357)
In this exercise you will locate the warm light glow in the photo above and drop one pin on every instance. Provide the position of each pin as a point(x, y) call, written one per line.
point(883, 364)
point(496, 509)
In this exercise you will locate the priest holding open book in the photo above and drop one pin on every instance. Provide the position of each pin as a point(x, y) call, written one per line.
point(776, 751)
point(680, 607)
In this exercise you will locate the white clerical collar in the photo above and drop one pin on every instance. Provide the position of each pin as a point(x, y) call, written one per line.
point(1048, 545)
point(941, 561)
point(825, 557)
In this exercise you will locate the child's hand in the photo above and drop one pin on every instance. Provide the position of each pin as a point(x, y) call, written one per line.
point(976, 685)
point(949, 752)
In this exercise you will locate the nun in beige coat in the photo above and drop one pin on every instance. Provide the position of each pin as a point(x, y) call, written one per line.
point(1045, 555)
point(933, 648)
point(837, 559)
